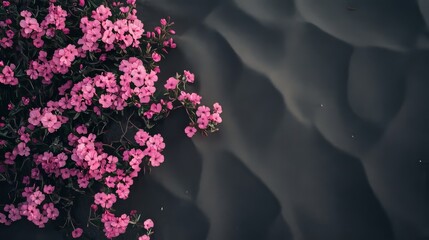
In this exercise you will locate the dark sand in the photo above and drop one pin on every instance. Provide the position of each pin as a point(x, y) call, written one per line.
point(325, 122)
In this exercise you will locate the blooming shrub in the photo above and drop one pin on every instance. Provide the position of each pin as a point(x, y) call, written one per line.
point(68, 69)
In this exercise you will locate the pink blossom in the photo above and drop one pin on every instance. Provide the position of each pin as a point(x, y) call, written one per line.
point(156, 108)
point(171, 84)
point(49, 120)
point(35, 173)
point(14, 214)
point(48, 189)
point(114, 226)
point(25, 101)
point(124, 9)
point(148, 224)
point(189, 76)
point(215, 117)
point(35, 116)
point(38, 42)
point(101, 13)
point(104, 200)
point(50, 211)
point(203, 122)
point(190, 131)
point(156, 159)
point(122, 190)
point(37, 197)
point(81, 129)
point(144, 237)
point(77, 233)
point(141, 137)
point(22, 149)
point(203, 111)
point(105, 100)
point(217, 108)
point(3, 218)
point(156, 57)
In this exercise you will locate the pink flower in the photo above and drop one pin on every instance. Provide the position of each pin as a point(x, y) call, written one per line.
point(101, 13)
point(215, 117)
point(189, 76)
point(163, 22)
point(156, 57)
point(37, 197)
point(124, 9)
point(50, 211)
point(171, 84)
point(123, 191)
point(14, 213)
point(156, 159)
point(35, 116)
point(48, 189)
point(148, 224)
point(217, 108)
point(25, 101)
point(203, 111)
point(156, 108)
point(203, 122)
point(3, 219)
point(105, 200)
point(81, 3)
point(190, 131)
point(114, 226)
point(22, 149)
point(144, 237)
point(105, 100)
point(77, 233)
point(38, 42)
point(35, 173)
point(141, 137)
point(48, 120)
point(81, 129)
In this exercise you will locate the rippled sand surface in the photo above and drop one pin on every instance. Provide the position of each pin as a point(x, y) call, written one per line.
point(325, 123)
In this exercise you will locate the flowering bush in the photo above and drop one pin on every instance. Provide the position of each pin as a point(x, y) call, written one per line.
point(69, 68)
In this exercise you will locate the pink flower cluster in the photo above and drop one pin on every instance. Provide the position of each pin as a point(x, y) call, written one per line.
point(148, 225)
point(114, 226)
point(54, 20)
point(205, 118)
point(34, 209)
point(135, 82)
point(95, 63)
point(7, 40)
point(154, 146)
point(7, 75)
point(47, 119)
point(53, 164)
point(105, 200)
point(124, 32)
point(60, 63)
